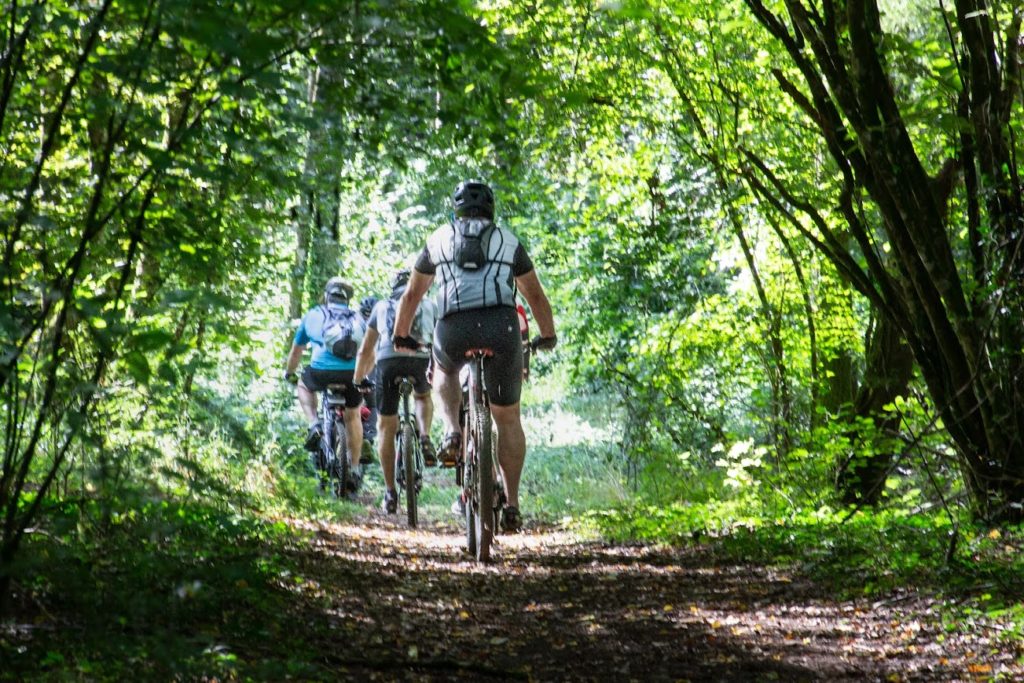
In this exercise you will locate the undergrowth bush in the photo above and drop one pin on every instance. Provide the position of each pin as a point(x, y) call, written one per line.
point(159, 590)
point(573, 462)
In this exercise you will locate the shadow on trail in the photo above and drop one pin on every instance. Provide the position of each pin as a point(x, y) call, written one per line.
point(410, 605)
point(192, 593)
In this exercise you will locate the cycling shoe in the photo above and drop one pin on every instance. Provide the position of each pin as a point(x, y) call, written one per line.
point(313, 436)
point(449, 453)
point(390, 502)
point(511, 520)
point(429, 455)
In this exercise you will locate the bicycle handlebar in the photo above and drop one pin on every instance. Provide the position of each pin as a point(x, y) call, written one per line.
point(407, 344)
point(543, 343)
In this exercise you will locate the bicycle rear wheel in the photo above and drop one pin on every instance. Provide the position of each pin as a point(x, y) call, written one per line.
point(340, 468)
point(485, 489)
point(408, 451)
point(482, 477)
point(468, 489)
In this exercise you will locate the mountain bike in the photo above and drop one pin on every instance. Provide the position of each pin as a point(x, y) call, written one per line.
point(408, 452)
point(332, 460)
point(482, 489)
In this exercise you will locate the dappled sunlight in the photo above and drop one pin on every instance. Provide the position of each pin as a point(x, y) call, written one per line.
point(612, 606)
point(773, 405)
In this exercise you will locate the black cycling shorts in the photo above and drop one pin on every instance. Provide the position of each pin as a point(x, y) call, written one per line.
point(391, 370)
point(495, 328)
point(317, 380)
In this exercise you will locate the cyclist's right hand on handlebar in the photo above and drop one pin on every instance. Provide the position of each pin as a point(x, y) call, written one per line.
point(291, 377)
point(366, 386)
point(544, 343)
point(405, 343)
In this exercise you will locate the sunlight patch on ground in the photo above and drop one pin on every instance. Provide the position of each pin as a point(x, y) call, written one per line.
point(386, 543)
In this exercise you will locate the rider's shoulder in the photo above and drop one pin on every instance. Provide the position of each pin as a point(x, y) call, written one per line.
point(508, 234)
point(441, 232)
point(315, 311)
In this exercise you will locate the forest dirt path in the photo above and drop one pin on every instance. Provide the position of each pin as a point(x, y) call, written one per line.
point(413, 606)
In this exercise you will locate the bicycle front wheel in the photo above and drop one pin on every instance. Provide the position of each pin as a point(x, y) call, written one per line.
point(408, 451)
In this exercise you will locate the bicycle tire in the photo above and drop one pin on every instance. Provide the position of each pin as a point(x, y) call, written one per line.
point(468, 470)
point(341, 469)
point(470, 527)
point(480, 521)
point(485, 488)
point(408, 454)
point(323, 456)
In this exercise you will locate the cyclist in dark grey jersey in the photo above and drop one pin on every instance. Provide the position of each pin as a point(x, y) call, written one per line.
point(480, 267)
point(391, 366)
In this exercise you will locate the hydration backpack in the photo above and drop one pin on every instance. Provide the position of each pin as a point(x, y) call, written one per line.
point(471, 238)
point(416, 331)
point(343, 332)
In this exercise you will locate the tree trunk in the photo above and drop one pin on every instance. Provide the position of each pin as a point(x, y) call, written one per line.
point(970, 351)
point(775, 364)
point(889, 365)
point(296, 305)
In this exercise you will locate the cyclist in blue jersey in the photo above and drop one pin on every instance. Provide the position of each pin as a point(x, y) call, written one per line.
point(335, 332)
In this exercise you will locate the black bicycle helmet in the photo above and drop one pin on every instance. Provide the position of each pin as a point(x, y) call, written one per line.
point(366, 305)
point(337, 291)
point(400, 278)
point(473, 199)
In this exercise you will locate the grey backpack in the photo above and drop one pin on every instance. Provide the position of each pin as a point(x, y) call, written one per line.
point(343, 332)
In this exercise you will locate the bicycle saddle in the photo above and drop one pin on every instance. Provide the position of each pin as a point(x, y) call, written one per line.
point(335, 393)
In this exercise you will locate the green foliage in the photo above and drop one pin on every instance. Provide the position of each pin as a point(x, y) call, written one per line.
point(572, 462)
point(177, 182)
point(164, 590)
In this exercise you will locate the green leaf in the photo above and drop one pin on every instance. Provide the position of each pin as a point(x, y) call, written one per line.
point(138, 366)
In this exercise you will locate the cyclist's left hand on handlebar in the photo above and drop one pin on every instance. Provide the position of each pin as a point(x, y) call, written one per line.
point(544, 343)
point(291, 377)
point(405, 343)
point(366, 386)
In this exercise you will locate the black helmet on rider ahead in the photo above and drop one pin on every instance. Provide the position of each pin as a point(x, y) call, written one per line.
point(366, 305)
point(400, 278)
point(337, 291)
point(473, 199)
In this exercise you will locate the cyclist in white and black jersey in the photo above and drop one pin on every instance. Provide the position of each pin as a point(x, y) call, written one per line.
point(480, 267)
